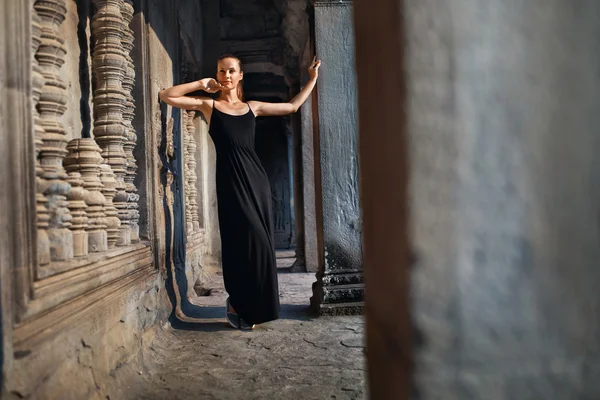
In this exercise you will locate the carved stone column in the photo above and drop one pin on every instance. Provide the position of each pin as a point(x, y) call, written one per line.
point(52, 105)
point(339, 288)
point(43, 242)
point(133, 214)
point(84, 157)
point(192, 165)
point(110, 64)
point(78, 208)
point(186, 174)
point(109, 190)
point(191, 192)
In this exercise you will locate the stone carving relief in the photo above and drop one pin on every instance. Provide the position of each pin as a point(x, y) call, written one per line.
point(170, 144)
point(170, 150)
point(51, 106)
point(78, 209)
point(84, 157)
point(43, 218)
point(189, 159)
point(109, 62)
point(86, 200)
point(109, 190)
point(133, 214)
point(278, 207)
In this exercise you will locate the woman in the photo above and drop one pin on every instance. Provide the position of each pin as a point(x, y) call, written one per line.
point(243, 190)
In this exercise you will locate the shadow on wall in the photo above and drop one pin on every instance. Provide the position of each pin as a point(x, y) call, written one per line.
point(162, 20)
point(183, 312)
point(84, 14)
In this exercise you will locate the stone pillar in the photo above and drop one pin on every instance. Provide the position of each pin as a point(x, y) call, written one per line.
point(37, 83)
point(298, 192)
point(499, 105)
point(291, 205)
point(339, 288)
point(51, 106)
point(307, 251)
point(84, 157)
point(132, 216)
point(78, 209)
point(109, 64)
point(109, 190)
point(189, 228)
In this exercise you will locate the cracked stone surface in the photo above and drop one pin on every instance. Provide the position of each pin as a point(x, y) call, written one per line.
point(298, 356)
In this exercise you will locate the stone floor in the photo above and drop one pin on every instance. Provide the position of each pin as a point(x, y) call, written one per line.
point(296, 357)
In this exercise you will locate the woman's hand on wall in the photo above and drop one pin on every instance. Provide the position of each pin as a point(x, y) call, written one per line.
point(313, 70)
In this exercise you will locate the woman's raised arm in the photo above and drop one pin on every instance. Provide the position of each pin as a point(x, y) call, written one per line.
point(262, 109)
point(176, 95)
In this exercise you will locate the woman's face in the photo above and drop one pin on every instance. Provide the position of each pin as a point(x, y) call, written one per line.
point(228, 73)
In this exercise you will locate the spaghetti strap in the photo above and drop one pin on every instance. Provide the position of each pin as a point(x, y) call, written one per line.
point(212, 112)
point(250, 108)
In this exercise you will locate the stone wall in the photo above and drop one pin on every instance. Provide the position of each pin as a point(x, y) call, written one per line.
point(97, 355)
point(339, 288)
point(73, 327)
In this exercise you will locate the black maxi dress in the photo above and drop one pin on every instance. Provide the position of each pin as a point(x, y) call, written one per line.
point(245, 219)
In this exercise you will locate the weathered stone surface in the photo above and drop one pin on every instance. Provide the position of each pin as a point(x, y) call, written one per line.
point(338, 139)
point(502, 135)
point(130, 215)
point(308, 238)
point(100, 352)
point(190, 167)
point(338, 151)
point(84, 157)
point(109, 62)
point(296, 357)
point(194, 264)
point(343, 293)
point(37, 83)
point(209, 194)
point(296, 31)
point(78, 209)
point(343, 279)
point(354, 308)
point(51, 106)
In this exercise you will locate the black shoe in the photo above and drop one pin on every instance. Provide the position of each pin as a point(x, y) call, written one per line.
point(232, 318)
point(245, 326)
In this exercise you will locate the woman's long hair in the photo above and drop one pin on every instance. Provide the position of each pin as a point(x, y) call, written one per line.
point(239, 89)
